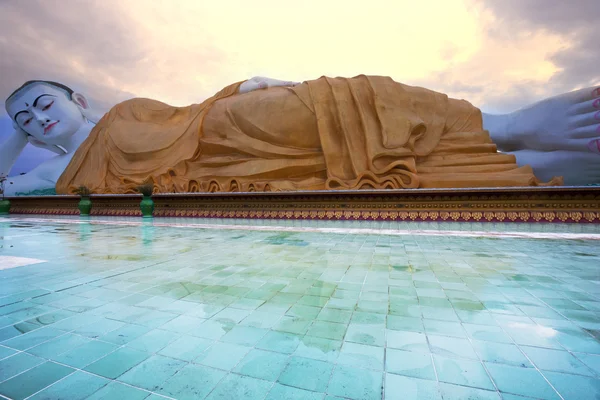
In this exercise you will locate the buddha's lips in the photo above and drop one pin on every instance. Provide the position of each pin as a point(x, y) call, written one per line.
point(46, 129)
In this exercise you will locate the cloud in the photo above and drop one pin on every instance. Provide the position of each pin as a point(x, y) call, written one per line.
point(70, 44)
point(578, 62)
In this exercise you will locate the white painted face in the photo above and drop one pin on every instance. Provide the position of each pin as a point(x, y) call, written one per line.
point(47, 113)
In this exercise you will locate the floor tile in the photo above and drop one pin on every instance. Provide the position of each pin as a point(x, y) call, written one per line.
point(318, 349)
point(261, 319)
point(192, 382)
point(327, 330)
point(401, 387)
point(355, 383)
point(417, 365)
point(16, 364)
point(152, 373)
point(243, 335)
point(125, 334)
point(462, 372)
point(99, 328)
point(6, 352)
point(591, 360)
point(360, 355)
point(455, 392)
point(186, 348)
point(153, 341)
point(58, 345)
point(116, 390)
point(521, 381)
point(183, 324)
point(34, 380)
point(240, 387)
point(77, 386)
point(334, 315)
point(574, 387)
point(556, 360)
point(368, 318)
point(410, 324)
point(81, 356)
point(117, 362)
point(444, 328)
point(409, 341)
point(487, 333)
point(262, 364)
point(365, 334)
point(291, 324)
point(451, 347)
point(280, 342)
point(305, 373)
point(279, 392)
point(32, 338)
point(501, 353)
point(224, 356)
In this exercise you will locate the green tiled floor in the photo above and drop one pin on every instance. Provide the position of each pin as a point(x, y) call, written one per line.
point(124, 310)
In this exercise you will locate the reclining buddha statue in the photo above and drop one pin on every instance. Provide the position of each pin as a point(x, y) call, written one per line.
point(365, 132)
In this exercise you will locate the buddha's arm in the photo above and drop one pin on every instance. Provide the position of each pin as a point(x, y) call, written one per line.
point(10, 150)
point(261, 82)
point(42, 177)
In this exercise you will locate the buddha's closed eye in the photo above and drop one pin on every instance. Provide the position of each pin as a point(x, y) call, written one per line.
point(48, 106)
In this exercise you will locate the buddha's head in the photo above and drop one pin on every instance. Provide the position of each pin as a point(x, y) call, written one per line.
point(48, 111)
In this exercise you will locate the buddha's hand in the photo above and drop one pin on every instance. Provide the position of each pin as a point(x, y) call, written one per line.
point(260, 82)
point(567, 122)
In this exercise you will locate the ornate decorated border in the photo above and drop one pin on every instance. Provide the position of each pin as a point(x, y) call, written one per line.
point(574, 205)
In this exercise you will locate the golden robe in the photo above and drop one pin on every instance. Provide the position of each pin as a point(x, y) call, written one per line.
point(329, 133)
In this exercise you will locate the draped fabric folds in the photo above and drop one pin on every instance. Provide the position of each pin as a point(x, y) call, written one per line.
point(328, 133)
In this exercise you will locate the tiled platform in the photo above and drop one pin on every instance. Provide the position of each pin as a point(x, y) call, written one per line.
point(131, 309)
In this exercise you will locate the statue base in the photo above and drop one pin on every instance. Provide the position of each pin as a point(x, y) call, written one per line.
point(540, 204)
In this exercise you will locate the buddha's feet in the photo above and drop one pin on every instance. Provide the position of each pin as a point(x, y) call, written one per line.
point(578, 168)
point(559, 136)
point(568, 122)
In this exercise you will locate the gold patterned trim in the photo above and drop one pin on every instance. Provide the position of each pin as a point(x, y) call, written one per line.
point(547, 205)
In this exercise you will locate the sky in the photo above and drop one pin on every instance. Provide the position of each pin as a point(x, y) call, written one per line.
point(500, 55)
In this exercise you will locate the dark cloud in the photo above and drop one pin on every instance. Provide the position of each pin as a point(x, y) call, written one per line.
point(75, 42)
point(576, 20)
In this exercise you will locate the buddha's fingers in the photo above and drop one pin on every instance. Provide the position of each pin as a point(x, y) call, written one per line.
point(589, 119)
point(585, 107)
point(585, 132)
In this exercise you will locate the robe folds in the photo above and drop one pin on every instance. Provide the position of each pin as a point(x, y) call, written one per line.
point(325, 134)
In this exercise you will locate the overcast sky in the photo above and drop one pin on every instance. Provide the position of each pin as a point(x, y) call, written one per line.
point(498, 54)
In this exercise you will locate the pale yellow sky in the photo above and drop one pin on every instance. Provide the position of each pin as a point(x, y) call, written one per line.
point(192, 48)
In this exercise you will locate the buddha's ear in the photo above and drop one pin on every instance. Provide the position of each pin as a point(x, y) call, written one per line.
point(84, 106)
point(80, 100)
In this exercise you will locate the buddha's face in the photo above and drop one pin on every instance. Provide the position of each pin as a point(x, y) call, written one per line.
point(47, 113)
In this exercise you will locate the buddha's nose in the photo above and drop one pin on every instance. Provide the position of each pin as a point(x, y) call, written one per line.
point(45, 122)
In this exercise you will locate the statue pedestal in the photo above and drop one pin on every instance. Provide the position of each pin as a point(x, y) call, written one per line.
point(538, 204)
